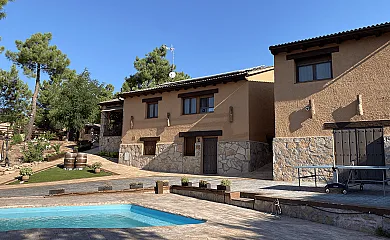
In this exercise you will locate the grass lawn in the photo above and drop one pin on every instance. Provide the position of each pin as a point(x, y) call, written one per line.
point(58, 174)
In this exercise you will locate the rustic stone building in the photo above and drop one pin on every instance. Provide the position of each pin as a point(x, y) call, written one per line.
point(111, 125)
point(332, 100)
point(220, 124)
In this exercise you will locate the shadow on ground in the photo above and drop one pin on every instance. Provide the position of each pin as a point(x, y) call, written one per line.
point(81, 234)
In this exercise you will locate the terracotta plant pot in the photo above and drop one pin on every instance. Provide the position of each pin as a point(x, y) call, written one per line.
point(97, 170)
point(25, 177)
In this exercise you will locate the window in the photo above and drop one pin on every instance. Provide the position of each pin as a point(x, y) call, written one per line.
point(189, 146)
point(189, 105)
point(206, 105)
point(314, 68)
point(150, 147)
point(152, 111)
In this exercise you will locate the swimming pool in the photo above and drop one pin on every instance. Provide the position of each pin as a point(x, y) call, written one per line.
point(99, 216)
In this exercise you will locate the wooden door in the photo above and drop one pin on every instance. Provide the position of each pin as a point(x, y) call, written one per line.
point(210, 155)
point(362, 147)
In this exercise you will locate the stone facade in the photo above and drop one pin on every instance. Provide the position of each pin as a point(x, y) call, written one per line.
point(169, 158)
point(110, 144)
point(291, 152)
point(233, 157)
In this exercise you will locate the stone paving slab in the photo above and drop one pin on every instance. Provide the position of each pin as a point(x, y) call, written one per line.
point(223, 221)
point(372, 197)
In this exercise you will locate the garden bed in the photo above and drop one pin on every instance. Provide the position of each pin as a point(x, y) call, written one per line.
point(58, 174)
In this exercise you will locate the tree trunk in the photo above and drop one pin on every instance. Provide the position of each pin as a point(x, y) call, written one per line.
point(30, 125)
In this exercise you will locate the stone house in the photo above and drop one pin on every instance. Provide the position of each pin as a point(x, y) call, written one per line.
point(220, 124)
point(332, 101)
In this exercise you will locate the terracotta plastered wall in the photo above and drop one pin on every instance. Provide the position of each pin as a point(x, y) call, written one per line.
point(230, 94)
point(361, 67)
point(261, 111)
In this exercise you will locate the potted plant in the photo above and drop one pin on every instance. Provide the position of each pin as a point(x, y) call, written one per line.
point(165, 183)
point(204, 184)
point(96, 167)
point(225, 185)
point(107, 187)
point(136, 185)
point(186, 182)
point(25, 172)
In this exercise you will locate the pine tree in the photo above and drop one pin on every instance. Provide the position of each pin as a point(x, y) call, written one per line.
point(37, 56)
point(152, 70)
point(2, 15)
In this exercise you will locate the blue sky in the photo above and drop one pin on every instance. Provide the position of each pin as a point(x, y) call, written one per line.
point(209, 36)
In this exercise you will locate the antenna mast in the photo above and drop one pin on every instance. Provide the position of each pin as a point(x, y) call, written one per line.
point(172, 74)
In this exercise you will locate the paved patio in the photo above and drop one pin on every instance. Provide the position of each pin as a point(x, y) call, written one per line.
point(223, 221)
point(372, 196)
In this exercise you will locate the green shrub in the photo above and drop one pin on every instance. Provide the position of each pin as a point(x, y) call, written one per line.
point(34, 151)
point(26, 171)
point(56, 147)
point(381, 232)
point(108, 154)
point(203, 182)
point(225, 182)
point(185, 180)
point(16, 139)
point(49, 136)
point(96, 165)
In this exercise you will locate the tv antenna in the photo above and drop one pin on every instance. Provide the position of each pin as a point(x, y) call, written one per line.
point(172, 74)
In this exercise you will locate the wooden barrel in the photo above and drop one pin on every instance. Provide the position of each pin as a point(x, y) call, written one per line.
point(81, 161)
point(69, 160)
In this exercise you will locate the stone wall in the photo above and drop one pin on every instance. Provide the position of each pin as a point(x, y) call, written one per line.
point(235, 158)
point(291, 152)
point(110, 144)
point(169, 158)
point(261, 154)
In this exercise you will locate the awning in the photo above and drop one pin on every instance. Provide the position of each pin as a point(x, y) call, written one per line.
point(112, 109)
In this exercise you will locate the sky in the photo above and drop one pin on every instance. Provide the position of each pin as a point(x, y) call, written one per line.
point(209, 36)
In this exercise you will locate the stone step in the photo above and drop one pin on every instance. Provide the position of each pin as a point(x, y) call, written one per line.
point(243, 202)
point(243, 199)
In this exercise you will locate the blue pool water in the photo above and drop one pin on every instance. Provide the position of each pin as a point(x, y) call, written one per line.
point(101, 216)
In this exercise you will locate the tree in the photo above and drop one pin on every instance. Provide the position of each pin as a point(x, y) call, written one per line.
point(37, 56)
point(77, 102)
point(2, 4)
point(2, 15)
point(50, 90)
point(152, 70)
point(14, 97)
